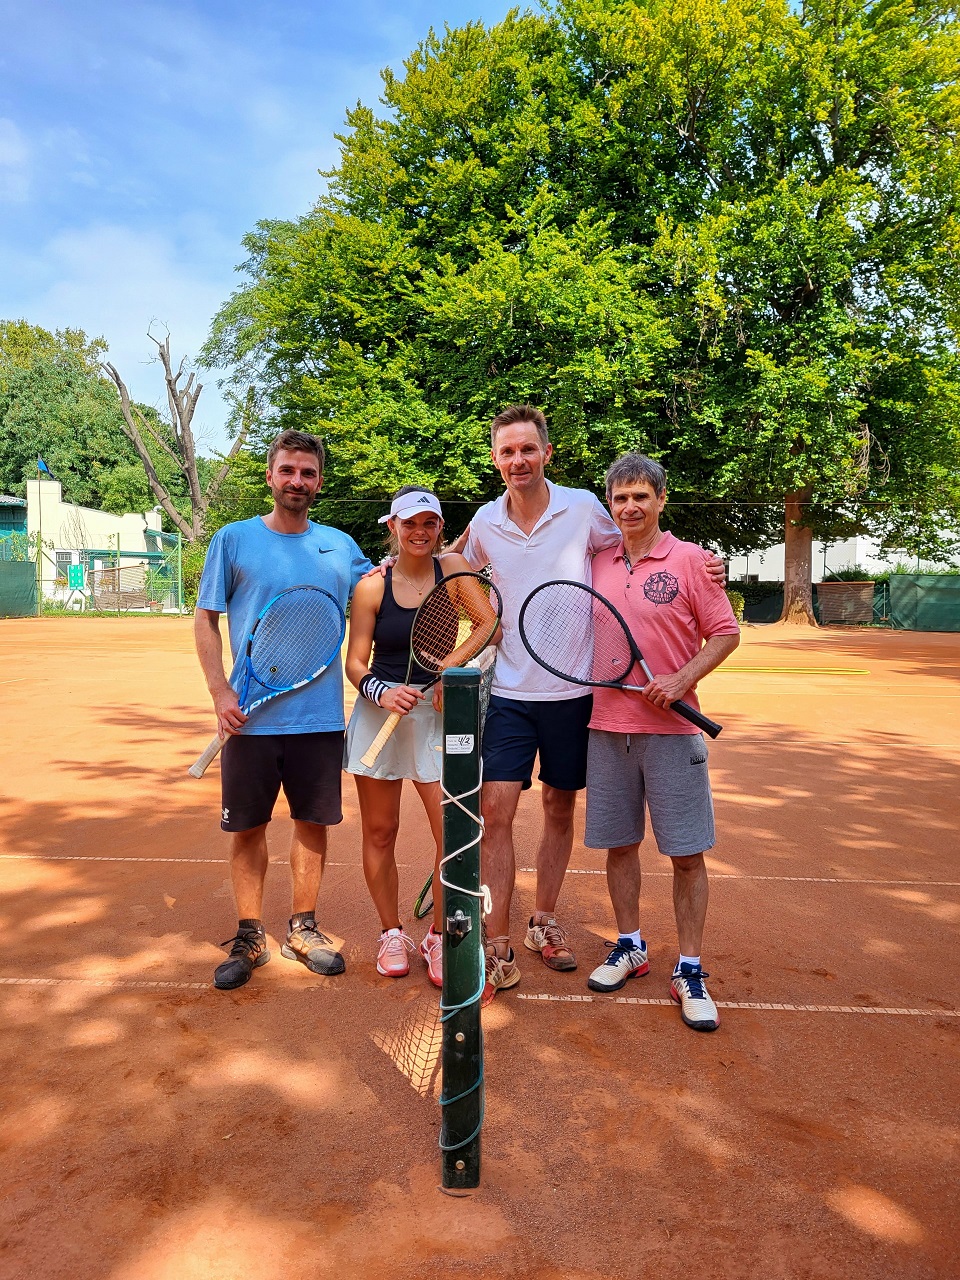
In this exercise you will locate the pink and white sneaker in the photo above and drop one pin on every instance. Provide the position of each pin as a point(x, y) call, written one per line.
point(395, 944)
point(431, 948)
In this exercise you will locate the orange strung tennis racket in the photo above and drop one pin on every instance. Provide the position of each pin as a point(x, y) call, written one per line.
point(454, 623)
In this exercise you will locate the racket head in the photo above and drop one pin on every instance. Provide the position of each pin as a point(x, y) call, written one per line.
point(455, 622)
point(575, 633)
point(296, 636)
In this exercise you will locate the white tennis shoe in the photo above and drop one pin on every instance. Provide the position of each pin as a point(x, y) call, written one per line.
point(689, 990)
point(626, 960)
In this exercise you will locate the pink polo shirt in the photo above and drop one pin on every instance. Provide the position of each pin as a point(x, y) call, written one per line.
point(671, 606)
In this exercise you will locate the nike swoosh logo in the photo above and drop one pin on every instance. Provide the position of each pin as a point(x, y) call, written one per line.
point(324, 550)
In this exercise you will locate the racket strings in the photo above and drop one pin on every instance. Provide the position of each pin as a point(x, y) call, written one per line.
point(454, 620)
point(576, 634)
point(297, 636)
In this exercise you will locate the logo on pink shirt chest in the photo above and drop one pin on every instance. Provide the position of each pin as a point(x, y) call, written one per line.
point(661, 588)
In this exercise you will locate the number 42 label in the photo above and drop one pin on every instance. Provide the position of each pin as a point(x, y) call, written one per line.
point(459, 744)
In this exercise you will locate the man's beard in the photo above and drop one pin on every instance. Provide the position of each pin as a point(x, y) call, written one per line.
point(295, 502)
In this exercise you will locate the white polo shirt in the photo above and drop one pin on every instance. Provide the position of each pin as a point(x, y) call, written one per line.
point(561, 544)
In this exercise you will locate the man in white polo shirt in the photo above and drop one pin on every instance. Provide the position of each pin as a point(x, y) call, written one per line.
point(535, 532)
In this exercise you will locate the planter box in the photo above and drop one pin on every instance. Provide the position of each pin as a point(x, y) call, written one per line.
point(845, 601)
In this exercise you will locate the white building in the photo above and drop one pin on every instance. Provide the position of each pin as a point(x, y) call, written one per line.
point(71, 534)
point(768, 566)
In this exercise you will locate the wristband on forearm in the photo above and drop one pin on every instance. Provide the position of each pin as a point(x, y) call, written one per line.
point(372, 688)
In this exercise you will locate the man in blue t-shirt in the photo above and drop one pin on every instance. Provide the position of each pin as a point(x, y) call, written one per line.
point(294, 741)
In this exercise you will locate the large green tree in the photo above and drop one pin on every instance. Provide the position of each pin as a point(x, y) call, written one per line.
point(56, 405)
point(725, 233)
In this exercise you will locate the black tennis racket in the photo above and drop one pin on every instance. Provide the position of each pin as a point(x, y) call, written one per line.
point(575, 633)
point(294, 639)
point(457, 619)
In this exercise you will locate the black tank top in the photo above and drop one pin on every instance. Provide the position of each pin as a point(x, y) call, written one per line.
point(391, 636)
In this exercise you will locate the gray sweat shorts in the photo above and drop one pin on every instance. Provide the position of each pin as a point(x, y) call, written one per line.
point(668, 771)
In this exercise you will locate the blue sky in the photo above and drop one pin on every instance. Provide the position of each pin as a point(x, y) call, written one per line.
point(139, 142)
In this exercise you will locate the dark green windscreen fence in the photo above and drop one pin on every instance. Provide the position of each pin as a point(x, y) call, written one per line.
point(18, 588)
point(925, 601)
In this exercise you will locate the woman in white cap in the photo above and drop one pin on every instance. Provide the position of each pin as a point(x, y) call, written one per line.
point(381, 617)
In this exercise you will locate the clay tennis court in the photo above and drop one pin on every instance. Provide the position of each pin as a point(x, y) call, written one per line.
point(157, 1129)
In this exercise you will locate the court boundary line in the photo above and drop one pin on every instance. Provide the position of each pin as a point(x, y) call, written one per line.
point(140, 984)
point(738, 875)
point(547, 998)
point(571, 871)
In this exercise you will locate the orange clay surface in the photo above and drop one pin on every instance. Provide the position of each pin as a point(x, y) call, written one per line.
point(156, 1129)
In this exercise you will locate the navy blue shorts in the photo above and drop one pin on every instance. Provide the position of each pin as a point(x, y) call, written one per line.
point(253, 768)
point(515, 731)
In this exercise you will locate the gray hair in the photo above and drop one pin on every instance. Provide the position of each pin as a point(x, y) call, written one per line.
point(631, 467)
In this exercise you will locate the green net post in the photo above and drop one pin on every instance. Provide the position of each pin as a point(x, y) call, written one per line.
point(461, 1054)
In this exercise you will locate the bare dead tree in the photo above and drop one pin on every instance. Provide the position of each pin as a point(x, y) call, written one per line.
point(178, 440)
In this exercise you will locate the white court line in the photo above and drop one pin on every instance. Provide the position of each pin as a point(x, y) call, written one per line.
point(571, 871)
point(124, 984)
point(80, 857)
point(121, 983)
point(742, 1004)
point(725, 875)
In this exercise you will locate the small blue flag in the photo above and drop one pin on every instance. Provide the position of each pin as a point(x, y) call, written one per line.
point(42, 466)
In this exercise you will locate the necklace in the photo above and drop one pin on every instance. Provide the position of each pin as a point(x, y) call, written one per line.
point(419, 590)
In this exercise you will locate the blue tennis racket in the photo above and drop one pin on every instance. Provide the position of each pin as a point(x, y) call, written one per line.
point(294, 640)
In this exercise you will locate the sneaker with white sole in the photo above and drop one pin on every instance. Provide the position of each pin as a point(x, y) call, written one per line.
point(395, 945)
point(502, 972)
point(689, 990)
point(549, 937)
point(625, 960)
point(431, 948)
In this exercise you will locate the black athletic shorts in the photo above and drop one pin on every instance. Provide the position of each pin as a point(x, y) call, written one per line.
point(254, 767)
point(515, 731)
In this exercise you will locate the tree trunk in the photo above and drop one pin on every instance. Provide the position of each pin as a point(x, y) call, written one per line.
point(135, 436)
point(180, 446)
point(798, 561)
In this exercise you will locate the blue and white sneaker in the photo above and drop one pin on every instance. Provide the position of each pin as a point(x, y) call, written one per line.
point(688, 989)
point(626, 960)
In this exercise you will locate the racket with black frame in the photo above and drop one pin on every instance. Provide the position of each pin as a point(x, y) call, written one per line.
point(456, 620)
point(575, 633)
point(293, 641)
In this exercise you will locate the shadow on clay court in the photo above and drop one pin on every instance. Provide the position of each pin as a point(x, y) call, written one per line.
point(298, 1114)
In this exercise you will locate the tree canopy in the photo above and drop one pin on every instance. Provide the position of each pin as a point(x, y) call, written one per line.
point(725, 233)
point(55, 405)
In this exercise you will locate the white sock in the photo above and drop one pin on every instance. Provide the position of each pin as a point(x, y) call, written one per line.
point(635, 938)
point(694, 960)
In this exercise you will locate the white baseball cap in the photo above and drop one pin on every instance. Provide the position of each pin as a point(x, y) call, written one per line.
point(409, 504)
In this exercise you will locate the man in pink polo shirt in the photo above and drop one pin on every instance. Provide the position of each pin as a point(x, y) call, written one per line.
point(641, 752)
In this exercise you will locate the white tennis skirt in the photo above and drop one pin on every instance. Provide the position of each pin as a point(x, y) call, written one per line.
point(413, 751)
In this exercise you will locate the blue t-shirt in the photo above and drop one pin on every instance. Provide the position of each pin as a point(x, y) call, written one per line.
point(248, 564)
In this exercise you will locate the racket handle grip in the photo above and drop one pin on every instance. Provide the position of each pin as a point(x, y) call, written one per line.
point(201, 764)
point(369, 757)
point(709, 727)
